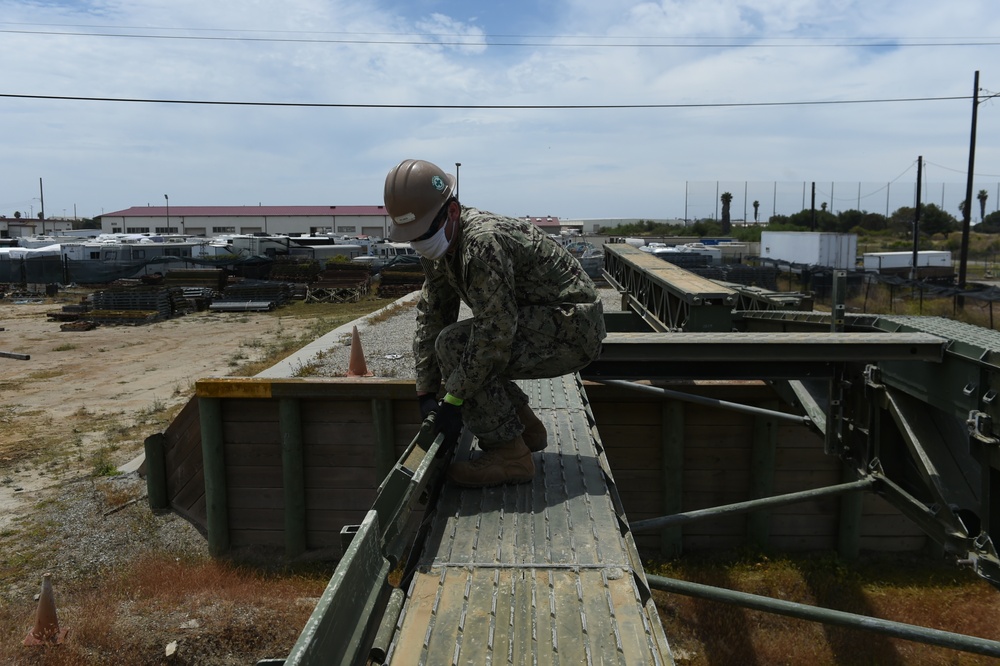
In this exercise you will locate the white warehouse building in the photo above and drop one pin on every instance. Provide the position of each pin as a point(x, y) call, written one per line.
point(369, 221)
point(270, 220)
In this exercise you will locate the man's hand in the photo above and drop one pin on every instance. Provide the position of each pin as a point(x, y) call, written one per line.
point(449, 421)
point(428, 404)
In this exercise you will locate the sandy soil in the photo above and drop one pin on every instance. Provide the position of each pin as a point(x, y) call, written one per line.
point(61, 405)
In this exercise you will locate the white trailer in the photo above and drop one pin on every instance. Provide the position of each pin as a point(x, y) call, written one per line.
point(877, 262)
point(810, 248)
point(931, 264)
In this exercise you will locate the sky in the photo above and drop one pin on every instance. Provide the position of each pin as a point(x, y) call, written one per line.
point(578, 109)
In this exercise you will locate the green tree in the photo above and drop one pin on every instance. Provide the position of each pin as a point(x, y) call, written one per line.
point(825, 221)
point(727, 198)
point(703, 228)
point(857, 219)
point(933, 220)
point(756, 211)
point(748, 233)
point(786, 223)
point(990, 224)
point(982, 196)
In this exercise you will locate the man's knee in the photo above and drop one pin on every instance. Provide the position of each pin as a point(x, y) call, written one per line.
point(450, 344)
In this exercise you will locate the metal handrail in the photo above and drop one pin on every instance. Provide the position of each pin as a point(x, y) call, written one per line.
point(344, 626)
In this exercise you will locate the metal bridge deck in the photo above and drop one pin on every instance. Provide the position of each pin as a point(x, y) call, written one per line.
point(539, 573)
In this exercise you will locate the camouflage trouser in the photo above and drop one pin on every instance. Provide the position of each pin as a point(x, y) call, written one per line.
point(550, 341)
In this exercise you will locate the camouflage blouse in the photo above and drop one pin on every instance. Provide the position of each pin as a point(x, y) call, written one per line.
point(499, 265)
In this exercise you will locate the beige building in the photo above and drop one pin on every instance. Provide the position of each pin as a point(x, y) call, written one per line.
point(271, 220)
point(13, 227)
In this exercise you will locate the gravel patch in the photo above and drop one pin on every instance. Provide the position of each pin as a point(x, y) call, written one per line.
point(91, 526)
point(387, 341)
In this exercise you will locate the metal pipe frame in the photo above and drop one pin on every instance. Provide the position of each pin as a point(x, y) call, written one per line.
point(652, 524)
point(948, 532)
point(709, 402)
point(908, 632)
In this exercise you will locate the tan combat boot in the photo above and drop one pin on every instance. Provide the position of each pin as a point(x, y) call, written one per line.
point(535, 435)
point(504, 462)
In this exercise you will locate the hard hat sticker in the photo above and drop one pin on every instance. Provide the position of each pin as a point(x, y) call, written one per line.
point(404, 219)
point(438, 183)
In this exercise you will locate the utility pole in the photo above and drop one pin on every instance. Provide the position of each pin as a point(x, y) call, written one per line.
point(916, 219)
point(41, 200)
point(685, 203)
point(812, 207)
point(967, 208)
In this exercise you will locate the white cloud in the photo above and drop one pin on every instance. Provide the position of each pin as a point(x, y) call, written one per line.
point(575, 162)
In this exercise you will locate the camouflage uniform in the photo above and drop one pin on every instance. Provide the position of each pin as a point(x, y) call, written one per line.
point(535, 313)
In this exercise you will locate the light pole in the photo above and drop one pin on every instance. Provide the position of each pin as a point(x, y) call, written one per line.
point(458, 165)
point(168, 212)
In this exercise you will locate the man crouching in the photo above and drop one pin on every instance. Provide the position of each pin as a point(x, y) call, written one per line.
point(535, 314)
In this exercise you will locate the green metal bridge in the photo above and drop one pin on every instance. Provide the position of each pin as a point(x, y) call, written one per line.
point(549, 572)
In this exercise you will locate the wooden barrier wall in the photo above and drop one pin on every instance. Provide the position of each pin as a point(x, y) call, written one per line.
point(342, 441)
point(719, 457)
point(666, 457)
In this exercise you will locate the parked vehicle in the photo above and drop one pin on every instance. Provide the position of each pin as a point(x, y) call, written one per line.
point(379, 254)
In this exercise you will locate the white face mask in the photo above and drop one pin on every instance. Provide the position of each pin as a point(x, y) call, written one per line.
point(434, 247)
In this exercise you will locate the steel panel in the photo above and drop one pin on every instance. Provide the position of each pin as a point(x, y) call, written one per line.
point(533, 573)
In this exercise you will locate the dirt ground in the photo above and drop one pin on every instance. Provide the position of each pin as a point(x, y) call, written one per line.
point(82, 392)
point(133, 586)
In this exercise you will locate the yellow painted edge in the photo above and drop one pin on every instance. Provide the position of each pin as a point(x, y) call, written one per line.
point(233, 388)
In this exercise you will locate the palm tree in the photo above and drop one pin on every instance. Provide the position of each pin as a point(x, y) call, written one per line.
point(756, 209)
point(982, 196)
point(727, 199)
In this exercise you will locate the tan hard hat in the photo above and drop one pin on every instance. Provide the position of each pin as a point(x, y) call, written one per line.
point(415, 191)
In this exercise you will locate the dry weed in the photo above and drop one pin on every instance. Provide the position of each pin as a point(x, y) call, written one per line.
point(909, 589)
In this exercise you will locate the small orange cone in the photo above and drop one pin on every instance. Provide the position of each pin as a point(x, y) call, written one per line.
point(46, 623)
point(357, 367)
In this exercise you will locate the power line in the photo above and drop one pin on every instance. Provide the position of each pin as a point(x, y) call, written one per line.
point(717, 105)
point(880, 38)
point(481, 40)
point(941, 166)
point(884, 187)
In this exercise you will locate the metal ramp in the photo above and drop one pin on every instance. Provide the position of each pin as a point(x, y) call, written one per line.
point(539, 573)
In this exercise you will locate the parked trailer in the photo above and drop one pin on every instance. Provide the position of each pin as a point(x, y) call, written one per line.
point(882, 262)
point(325, 252)
point(810, 248)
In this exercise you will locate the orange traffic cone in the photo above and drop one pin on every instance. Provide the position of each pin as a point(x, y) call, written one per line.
point(357, 367)
point(46, 623)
